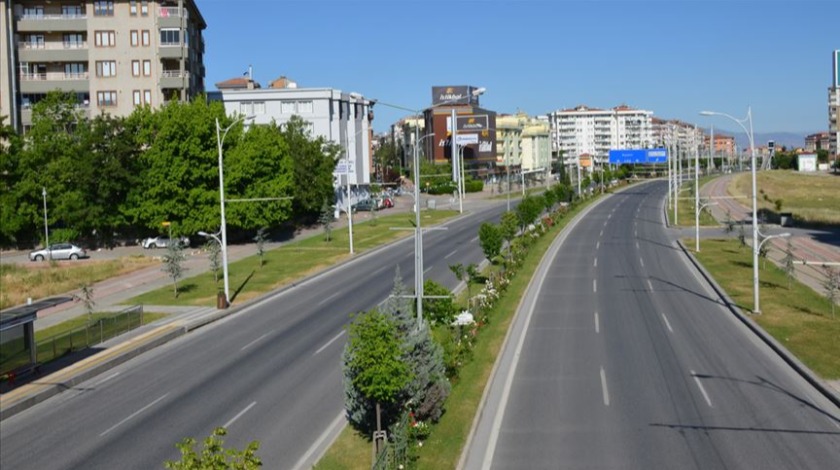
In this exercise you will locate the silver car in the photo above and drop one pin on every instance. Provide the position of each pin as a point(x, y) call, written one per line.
point(58, 251)
point(164, 242)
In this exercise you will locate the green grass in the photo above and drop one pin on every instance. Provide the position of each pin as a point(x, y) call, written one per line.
point(443, 448)
point(797, 317)
point(248, 279)
point(811, 197)
point(685, 207)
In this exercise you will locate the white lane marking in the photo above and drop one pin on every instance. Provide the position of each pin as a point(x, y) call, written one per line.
point(637, 245)
point(255, 341)
point(609, 216)
point(642, 262)
point(595, 264)
point(594, 285)
point(597, 245)
point(335, 427)
point(132, 415)
point(601, 234)
point(107, 379)
point(667, 323)
point(702, 390)
point(650, 285)
point(427, 269)
point(597, 324)
point(474, 240)
point(329, 298)
point(239, 415)
point(635, 232)
point(604, 387)
point(333, 340)
point(450, 254)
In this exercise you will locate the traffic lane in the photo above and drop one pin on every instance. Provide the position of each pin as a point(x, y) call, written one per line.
point(322, 423)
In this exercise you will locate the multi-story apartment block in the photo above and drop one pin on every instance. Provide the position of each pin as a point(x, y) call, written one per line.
point(819, 141)
point(523, 142)
point(338, 117)
point(583, 130)
point(834, 106)
point(403, 133)
point(115, 55)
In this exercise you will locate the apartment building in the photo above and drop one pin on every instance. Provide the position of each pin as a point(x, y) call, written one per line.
point(338, 117)
point(819, 141)
point(834, 105)
point(115, 55)
point(403, 133)
point(584, 130)
point(523, 142)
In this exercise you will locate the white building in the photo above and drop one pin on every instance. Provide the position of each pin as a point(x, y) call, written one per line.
point(342, 118)
point(583, 130)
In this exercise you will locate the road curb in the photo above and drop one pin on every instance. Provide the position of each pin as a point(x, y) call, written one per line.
point(786, 355)
point(64, 379)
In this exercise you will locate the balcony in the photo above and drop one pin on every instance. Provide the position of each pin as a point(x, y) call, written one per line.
point(174, 79)
point(170, 17)
point(56, 23)
point(53, 51)
point(170, 50)
point(46, 82)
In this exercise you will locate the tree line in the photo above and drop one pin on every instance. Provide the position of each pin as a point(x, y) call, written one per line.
point(110, 178)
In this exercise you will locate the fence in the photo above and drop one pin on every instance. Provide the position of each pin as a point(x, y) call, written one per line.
point(395, 455)
point(95, 332)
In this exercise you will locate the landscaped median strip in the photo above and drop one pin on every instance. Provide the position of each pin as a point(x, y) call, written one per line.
point(30, 394)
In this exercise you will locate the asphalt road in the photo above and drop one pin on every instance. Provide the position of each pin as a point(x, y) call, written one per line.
point(626, 359)
point(270, 373)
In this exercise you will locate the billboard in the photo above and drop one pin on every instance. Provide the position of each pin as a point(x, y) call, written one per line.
point(643, 156)
point(461, 94)
point(469, 123)
point(476, 135)
point(836, 68)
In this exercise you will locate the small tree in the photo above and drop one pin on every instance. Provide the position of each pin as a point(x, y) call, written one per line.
point(787, 262)
point(373, 364)
point(831, 285)
point(326, 219)
point(728, 223)
point(260, 238)
point(86, 296)
point(173, 263)
point(490, 239)
point(509, 225)
point(214, 255)
point(442, 309)
point(214, 456)
point(742, 236)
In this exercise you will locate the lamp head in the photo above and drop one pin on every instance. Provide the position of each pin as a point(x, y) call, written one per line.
point(707, 113)
point(203, 234)
point(479, 91)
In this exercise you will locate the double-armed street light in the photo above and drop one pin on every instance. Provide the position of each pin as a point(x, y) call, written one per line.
point(220, 140)
point(751, 138)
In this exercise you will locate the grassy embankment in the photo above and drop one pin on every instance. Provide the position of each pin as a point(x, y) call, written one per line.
point(685, 207)
point(813, 198)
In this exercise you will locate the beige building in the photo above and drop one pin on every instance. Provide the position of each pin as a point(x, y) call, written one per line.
point(523, 143)
point(115, 55)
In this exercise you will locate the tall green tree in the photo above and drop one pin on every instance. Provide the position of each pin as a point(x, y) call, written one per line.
point(13, 225)
point(374, 367)
point(314, 161)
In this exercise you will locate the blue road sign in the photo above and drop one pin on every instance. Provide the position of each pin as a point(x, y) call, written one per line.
point(643, 156)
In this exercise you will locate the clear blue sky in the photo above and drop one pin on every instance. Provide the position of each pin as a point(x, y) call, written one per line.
point(673, 57)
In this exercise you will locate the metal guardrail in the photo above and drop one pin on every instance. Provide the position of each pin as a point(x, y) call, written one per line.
point(95, 332)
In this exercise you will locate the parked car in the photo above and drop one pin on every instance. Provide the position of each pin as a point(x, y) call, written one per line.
point(387, 202)
point(163, 242)
point(365, 205)
point(58, 251)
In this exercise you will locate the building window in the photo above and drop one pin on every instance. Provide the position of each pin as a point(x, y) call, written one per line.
point(105, 38)
point(106, 68)
point(145, 37)
point(144, 8)
point(135, 38)
point(170, 37)
point(137, 97)
point(34, 41)
point(251, 108)
point(33, 11)
point(106, 98)
point(304, 107)
point(132, 7)
point(147, 97)
point(147, 68)
point(135, 68)
point(71, 11)
point(103, 8)
point(287, 107)
point(259, 107)
point(75, 70)
point(73, 41)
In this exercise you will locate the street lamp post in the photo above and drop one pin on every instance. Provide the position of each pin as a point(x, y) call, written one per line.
point(749, 132)
point(220, 140)
point(46, 226)
point(699, 208)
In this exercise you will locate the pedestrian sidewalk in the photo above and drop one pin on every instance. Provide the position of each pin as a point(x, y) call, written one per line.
point(814, 246)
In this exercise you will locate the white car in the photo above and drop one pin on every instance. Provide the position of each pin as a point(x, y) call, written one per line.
point(163, 242)
point(58, 251)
